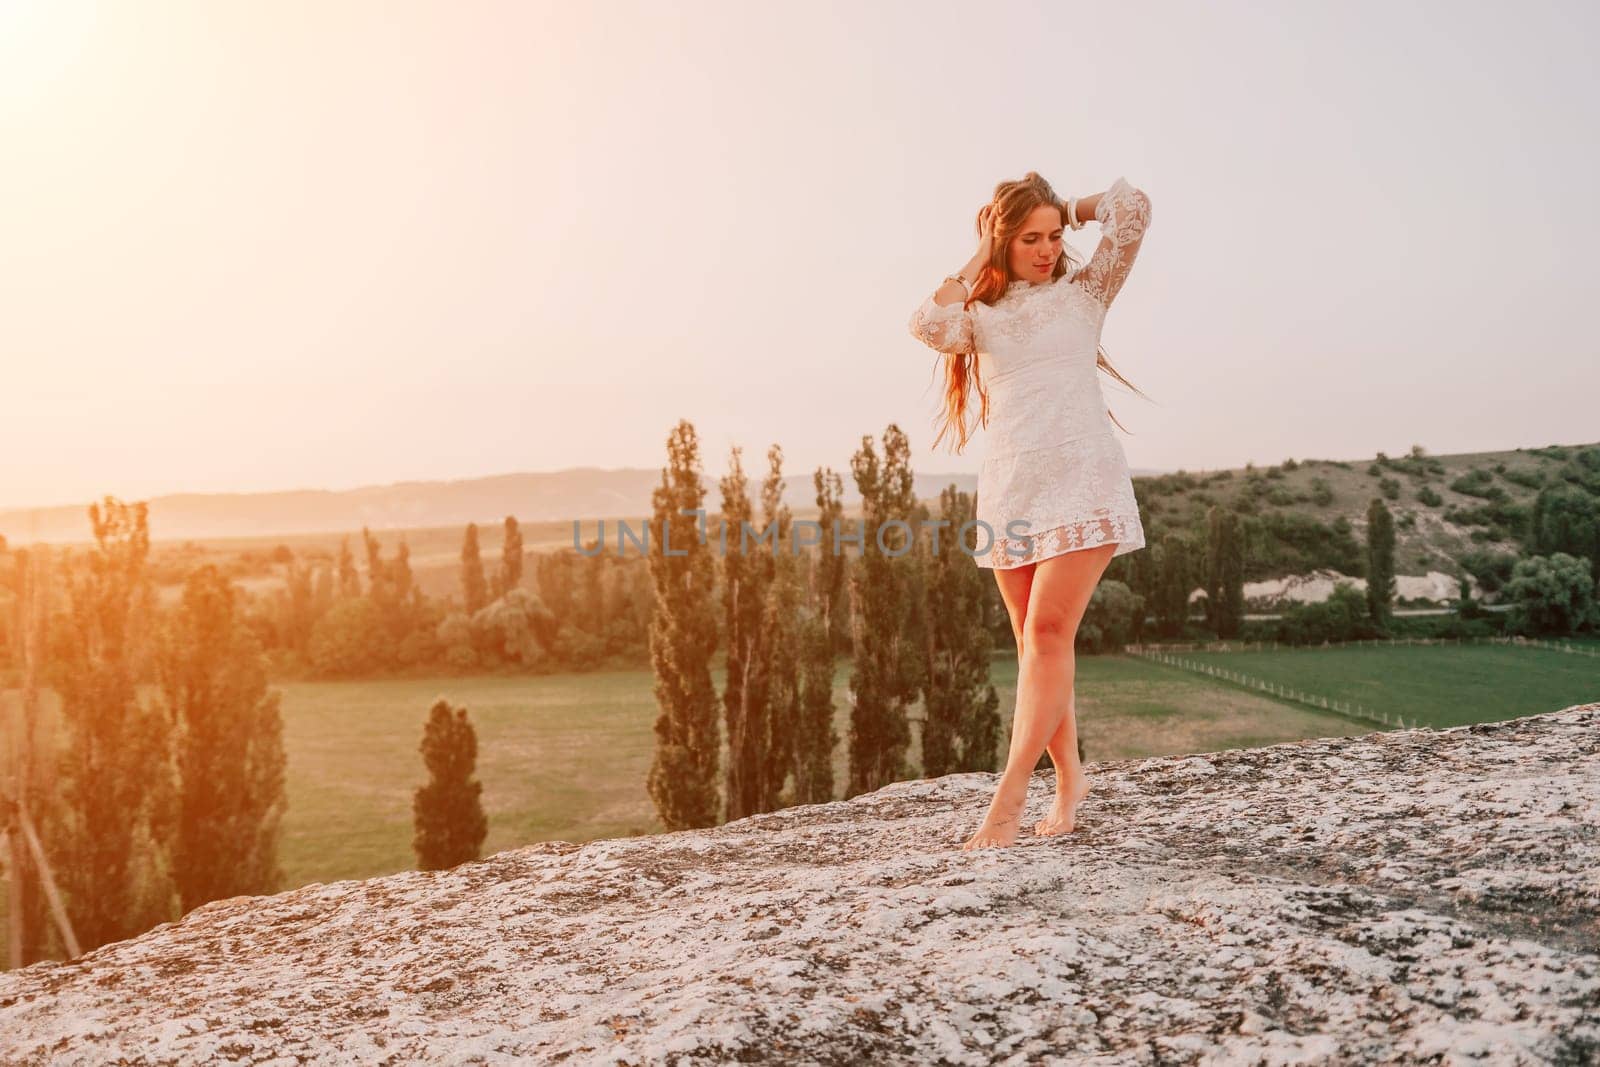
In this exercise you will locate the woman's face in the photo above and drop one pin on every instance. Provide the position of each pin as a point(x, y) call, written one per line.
point(1035, 250)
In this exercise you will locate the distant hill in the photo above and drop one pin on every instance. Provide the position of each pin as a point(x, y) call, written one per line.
point(1432, 497)
point(1445, 510)
point(1445, 506)
point(586, 493)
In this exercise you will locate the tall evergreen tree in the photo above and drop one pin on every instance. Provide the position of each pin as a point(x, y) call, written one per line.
point(297, 609)
point(1466, 606)
point(832, 566)
point(746, 574)
point(229, 727)
point(474, 589)
point(1224, 571)
point(349, 577)
point(683, 638)
point(1144, 579)
point(392, 591)
point(887, 665)
point(781, 619)
point(816, 737)
point(1176, 581)
point(118, 797)
point(1380, 562)
point(962, 728)
point(510, 573)
point(633, 598)
point(591, 604)
point(377, 579)
point(28, 916)
point(447, 812)
point(407, 597)
point(557, 583)
point(823, 629)
point(322, 595)
point(611, 601)
point(1212, 576)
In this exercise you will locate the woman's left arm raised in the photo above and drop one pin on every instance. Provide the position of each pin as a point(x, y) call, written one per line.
point(1123, 212)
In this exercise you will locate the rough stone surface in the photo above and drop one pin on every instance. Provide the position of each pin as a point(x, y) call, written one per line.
point(1415, 896)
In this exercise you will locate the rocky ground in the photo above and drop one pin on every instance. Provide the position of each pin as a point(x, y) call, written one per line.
point(1416, 896)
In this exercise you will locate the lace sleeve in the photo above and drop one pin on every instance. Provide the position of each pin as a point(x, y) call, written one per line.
point(943, 327)
point(1124, 215)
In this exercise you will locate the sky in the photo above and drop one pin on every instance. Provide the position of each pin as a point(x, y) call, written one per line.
point(288, 245)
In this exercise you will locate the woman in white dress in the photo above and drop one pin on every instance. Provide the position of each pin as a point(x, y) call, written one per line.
point(1021, 324)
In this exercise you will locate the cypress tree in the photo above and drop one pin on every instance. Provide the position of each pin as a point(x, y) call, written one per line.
point(1380, 562)
point(816, 737)
point(1213, 568)
point(31, 788)
point(591, 603)
point(962, 727)
point(231, 799)
point(447, 812)
point(683, 637)
point(1233, 573)
point(349, 577)
point(115, 774)
point(1224, 571)
point(393, 593)
point(886, 675)
point(510, 574)
point(1144, 579)
point(831, 565)
point(745, 578)
point(407, 596)
point(474, 589)
point(1175, 583)
point(557, 585)
point(321, 596)
point(377, 580)
point(297, 608)
point(782, 617)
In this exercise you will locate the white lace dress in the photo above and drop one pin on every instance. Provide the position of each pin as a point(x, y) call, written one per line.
point(1054, 477)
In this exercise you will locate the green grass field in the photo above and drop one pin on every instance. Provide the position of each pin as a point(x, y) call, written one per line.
point(565, 756)
point(1438, 685)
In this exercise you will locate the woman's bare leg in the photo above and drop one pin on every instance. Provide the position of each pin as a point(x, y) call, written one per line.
point(1059, 593)
point(1072, 783)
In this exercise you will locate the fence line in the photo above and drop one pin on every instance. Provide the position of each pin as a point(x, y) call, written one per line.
point(1348, 708)
point(1275, 646)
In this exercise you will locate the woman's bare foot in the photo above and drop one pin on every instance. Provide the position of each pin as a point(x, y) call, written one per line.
point(1063, 814)
point(999, 829)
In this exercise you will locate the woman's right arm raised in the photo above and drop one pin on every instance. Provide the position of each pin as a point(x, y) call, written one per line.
point(942, 322)
point(951, 292)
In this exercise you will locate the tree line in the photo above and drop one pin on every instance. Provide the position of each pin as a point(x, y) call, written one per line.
point(156, 783)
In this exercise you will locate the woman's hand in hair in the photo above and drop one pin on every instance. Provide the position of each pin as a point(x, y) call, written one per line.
point(985, 232)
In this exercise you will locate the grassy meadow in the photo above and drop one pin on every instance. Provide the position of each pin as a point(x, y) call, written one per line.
point(564, 757)
point(1437, 685)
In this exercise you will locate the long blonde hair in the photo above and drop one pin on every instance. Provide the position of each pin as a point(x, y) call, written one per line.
point(1012, 203)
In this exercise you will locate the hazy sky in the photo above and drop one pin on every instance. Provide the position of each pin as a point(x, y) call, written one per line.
point(282, 245)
